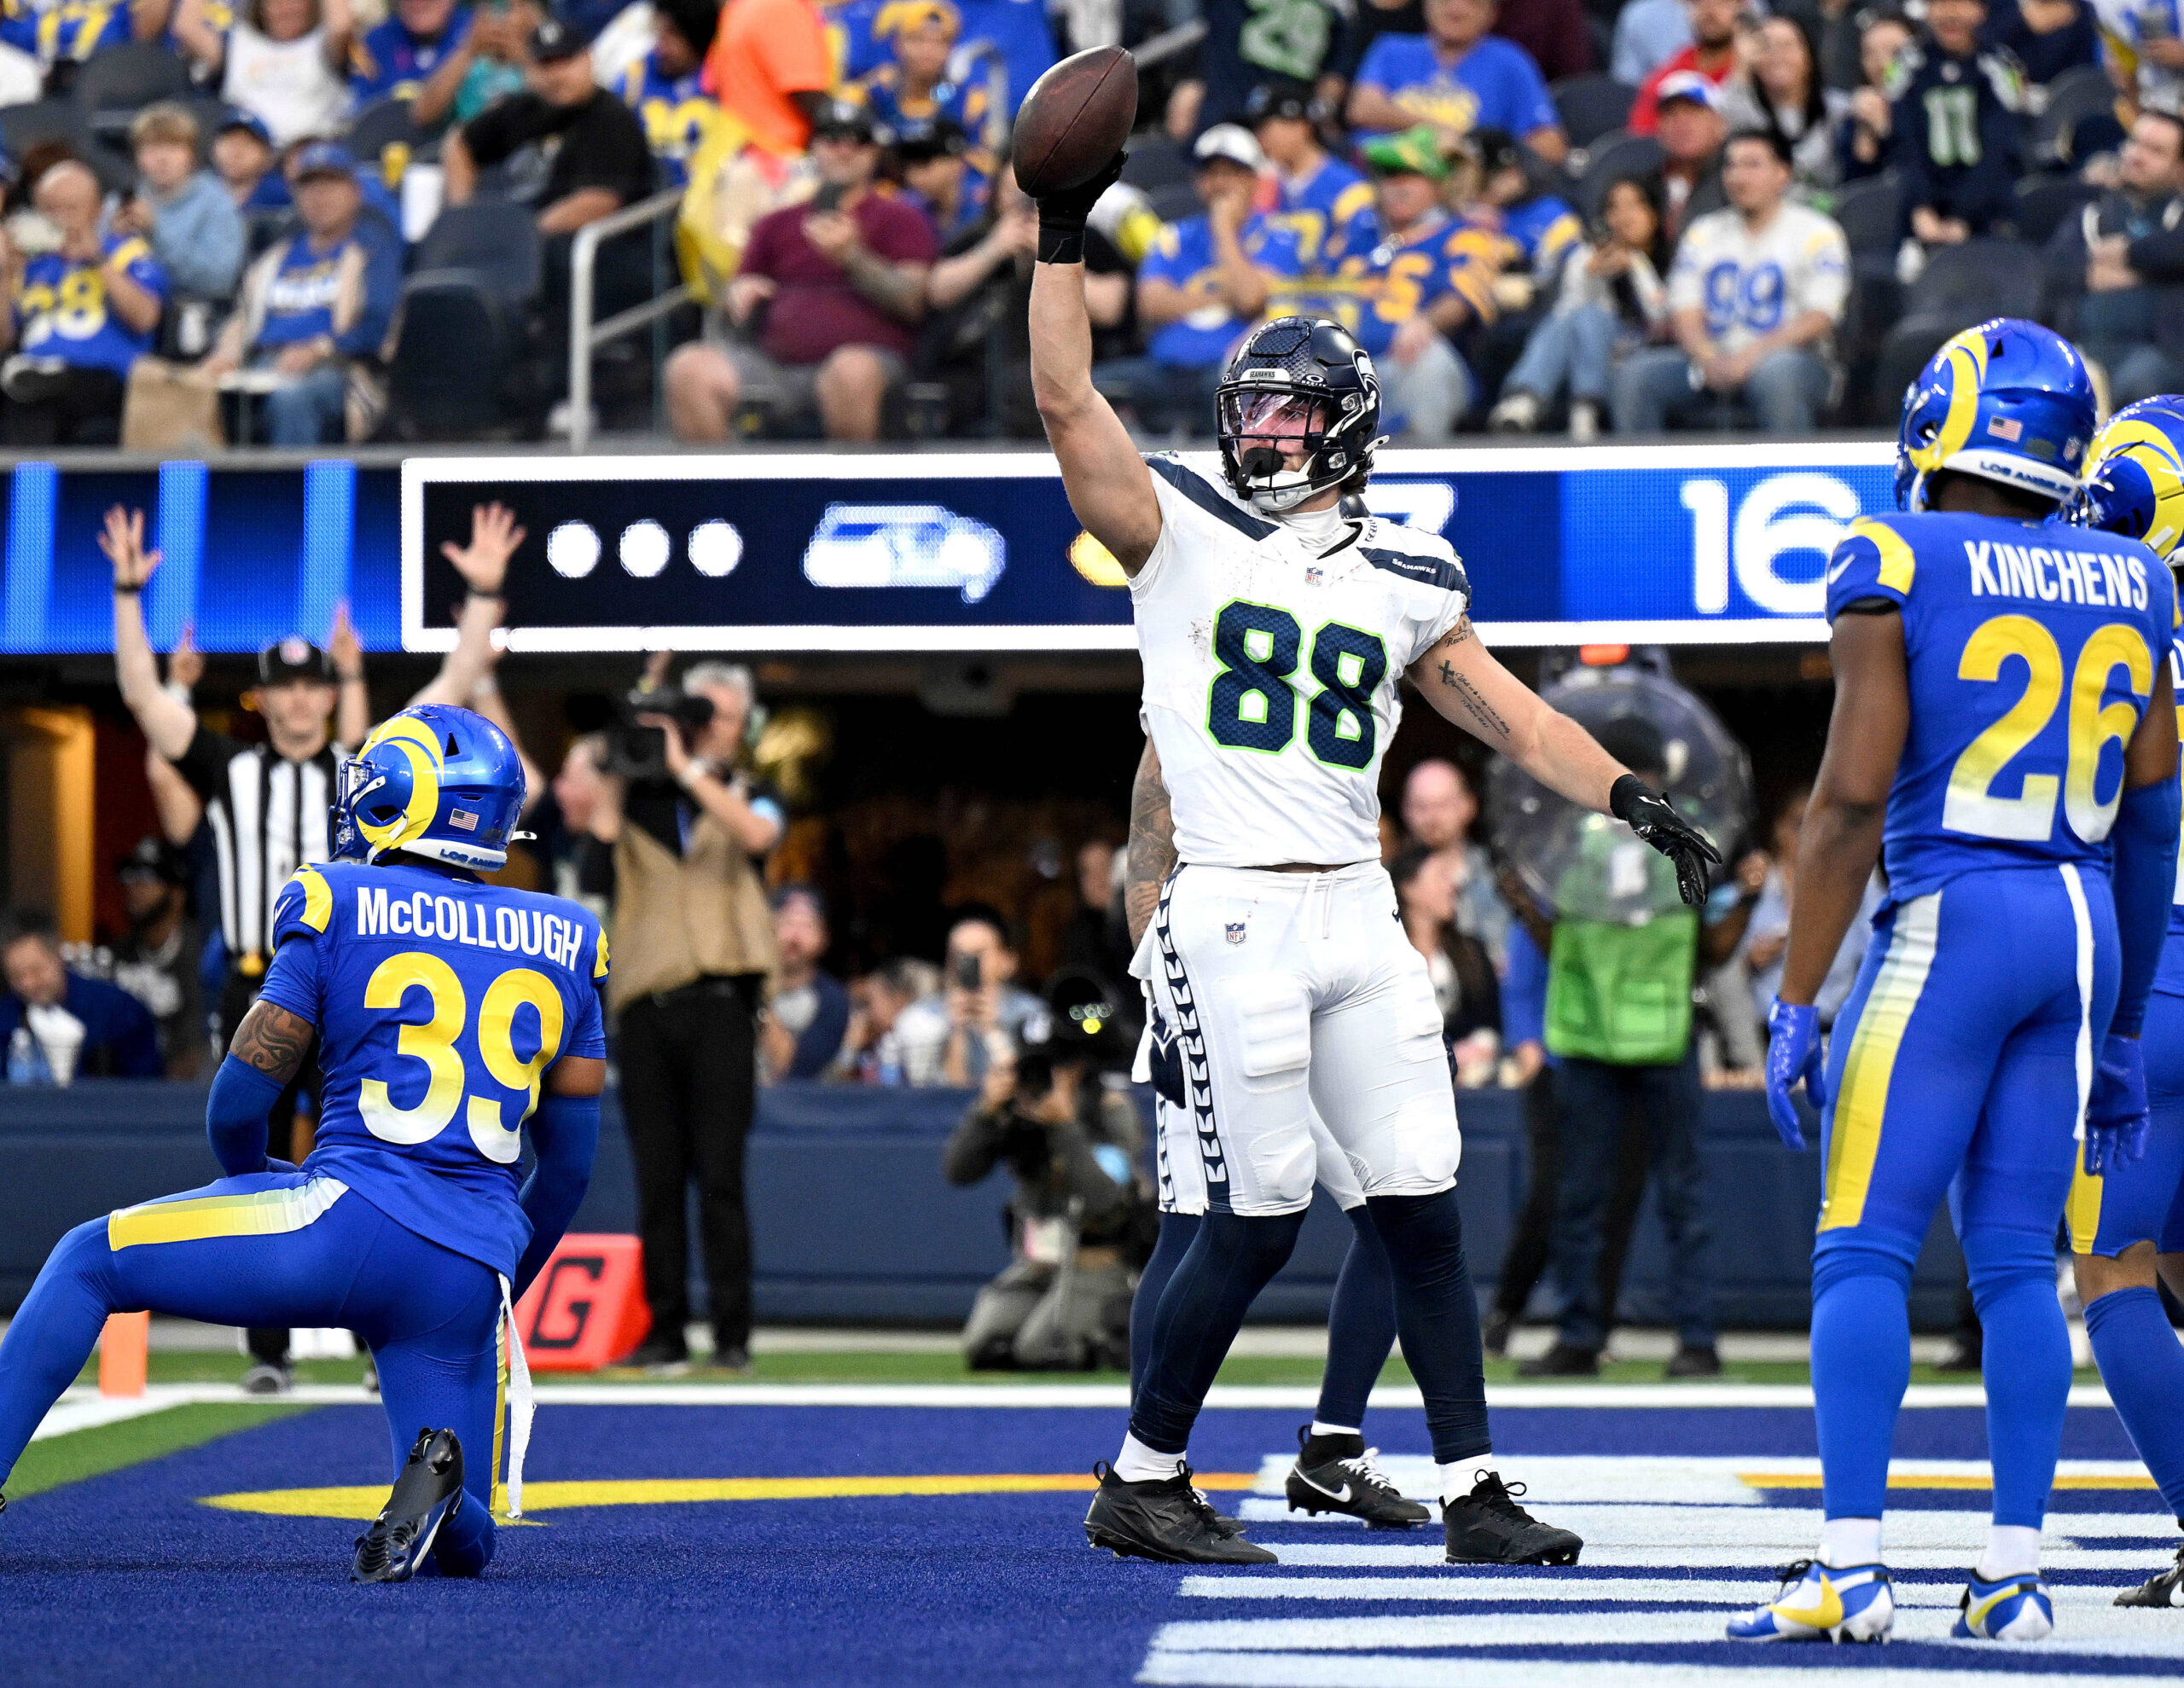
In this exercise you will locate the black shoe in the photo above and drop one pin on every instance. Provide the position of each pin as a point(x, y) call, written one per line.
point(1336, 1474)
point(664, 1355)
point(1488, 1528)
point(2165, 1590)
point(1494, 1334)
point(427, 1493)
point(1695, 1362)
point(263, 1377)
point(731, 1359)
point(1166, 1520)
point(1562, 1360)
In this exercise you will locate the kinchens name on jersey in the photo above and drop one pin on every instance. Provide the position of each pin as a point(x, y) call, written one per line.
point(1272, 651)
point(424, 914)
point(2052, 575)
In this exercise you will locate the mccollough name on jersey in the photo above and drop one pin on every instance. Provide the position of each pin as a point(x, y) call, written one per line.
point(2001, 570)
point(421, 915)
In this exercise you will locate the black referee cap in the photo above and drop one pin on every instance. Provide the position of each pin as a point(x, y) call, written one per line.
point(294, 658)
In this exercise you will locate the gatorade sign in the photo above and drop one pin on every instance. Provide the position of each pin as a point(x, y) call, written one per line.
point(587, 1309)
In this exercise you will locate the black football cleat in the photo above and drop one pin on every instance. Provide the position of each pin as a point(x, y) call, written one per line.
point(1166, 1520)
point(1336, 1474)
point(1487, 1527)
point(2165, 1590)
point(427, 1493)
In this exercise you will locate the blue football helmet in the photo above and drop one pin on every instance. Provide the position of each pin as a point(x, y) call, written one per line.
point(435, 781)
point(2008, 401)
point(2133, 480)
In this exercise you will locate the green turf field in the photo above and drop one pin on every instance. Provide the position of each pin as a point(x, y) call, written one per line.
point(109, 1447)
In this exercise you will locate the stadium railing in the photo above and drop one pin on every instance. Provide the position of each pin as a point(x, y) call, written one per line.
point(586, 336)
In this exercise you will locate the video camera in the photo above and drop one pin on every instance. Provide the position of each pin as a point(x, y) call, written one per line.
point(638, 754)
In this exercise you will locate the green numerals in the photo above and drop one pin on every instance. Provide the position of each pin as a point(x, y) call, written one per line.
point(1253, 706)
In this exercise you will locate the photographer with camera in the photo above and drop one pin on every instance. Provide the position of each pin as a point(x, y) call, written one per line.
point(958, 1034)
point(1061, 1116)
point(693, 950)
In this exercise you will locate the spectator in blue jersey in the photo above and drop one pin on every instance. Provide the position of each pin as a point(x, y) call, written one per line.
point(247, 164)
point(57, 1026)
point(196, 231)
point(1009, 37)
point(1538, 223)
point(1205, 281)
point(912, 85)
point(666, 87)
point(1458, 77)
point(1431, 277)
point(1329, 205)
point(1959, 128)
point(58, 32)
point(315, 306)
point(413, 56)
point(79, 317)
point(931, 156)
point(1249, 42)
point(2046, 37)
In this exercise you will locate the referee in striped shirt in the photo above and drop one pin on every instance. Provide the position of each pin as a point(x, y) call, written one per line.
point(268, 805)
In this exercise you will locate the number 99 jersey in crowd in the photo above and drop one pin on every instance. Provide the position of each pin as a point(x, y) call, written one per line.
point(440, 1002)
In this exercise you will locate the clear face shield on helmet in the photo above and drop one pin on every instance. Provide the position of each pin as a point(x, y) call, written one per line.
point(1274, 436)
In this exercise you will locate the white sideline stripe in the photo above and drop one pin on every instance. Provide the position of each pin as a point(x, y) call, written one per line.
point(1793, 1531)
point(84, 1409)
point(1760, 1554)
point(1166, 1666)
point(1636, 1590)
point(2109, 1631)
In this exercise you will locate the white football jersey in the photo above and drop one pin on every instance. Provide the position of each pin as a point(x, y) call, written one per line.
point(1272, 659)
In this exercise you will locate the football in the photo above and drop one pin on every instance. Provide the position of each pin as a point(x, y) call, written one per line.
point(1076, 118)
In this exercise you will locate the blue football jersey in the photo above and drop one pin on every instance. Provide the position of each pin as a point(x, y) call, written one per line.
point(677, 114)
point(2169, 976)
point(1182, 252)
point(1333, 212)
point(439, 1002)
point(2031, 653)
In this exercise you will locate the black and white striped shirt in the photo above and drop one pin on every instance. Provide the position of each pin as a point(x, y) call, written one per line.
point(269, 817)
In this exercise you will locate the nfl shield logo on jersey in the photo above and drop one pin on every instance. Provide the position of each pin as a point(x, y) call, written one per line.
point(1235, 931)
point(1313, 576)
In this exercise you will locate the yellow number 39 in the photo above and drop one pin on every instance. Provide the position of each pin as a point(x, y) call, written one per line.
point(433, 1043)
point(1971, 806)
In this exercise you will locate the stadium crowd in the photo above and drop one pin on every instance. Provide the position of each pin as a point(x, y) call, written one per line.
point(308, 221)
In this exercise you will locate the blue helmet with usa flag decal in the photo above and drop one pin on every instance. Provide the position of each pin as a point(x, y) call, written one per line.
point(2008, 401)
point(2134, 481)
point(435, 781)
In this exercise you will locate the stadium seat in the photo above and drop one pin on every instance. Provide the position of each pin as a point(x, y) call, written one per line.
point(22, 127)
point(2073, 97)
point(1903, 354)
point(116, 84)
point(382, 124)
point(452, 339)
point(1871, 215)
point(1616, 154)
point(2045, 202)
point(1592, 106)
point(496, 240)
point(1978, 280)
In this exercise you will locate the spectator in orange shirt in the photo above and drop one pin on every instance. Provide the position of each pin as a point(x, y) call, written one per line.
point(771, 67)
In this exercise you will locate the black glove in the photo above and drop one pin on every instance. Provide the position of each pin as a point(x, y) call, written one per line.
point(1062, 216)
point(1654, 818)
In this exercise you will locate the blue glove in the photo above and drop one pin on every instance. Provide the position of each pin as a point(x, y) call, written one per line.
point(2116, 1114)
point(1793, 1054)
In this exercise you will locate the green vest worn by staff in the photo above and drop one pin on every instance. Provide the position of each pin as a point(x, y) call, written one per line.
point(1618, 987)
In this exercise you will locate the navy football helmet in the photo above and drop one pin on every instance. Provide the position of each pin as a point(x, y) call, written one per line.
point(2008, 401)
point(1296, 383)
point(434, 781)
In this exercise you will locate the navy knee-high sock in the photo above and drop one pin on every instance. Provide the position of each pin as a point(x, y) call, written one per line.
point(1437, 1315)
point(1177, 1231)
point(1360, 1325)
point(2144, 1369)
point(1201, 1310)
point(53, 1334)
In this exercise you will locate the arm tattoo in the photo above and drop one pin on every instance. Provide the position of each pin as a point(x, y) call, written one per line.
point(899, 289)
point(1152, 844)
point(1490, 722)
point(1458, 634)
point(272, 1039)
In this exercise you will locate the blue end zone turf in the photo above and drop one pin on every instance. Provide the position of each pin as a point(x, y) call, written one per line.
point(128, 1579)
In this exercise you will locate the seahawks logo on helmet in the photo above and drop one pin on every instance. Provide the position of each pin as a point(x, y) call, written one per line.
point(1297, 411)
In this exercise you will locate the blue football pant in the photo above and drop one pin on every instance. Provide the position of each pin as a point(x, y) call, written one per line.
point(2137, 1351)
point(277, 1250)
point(1959, 1067)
